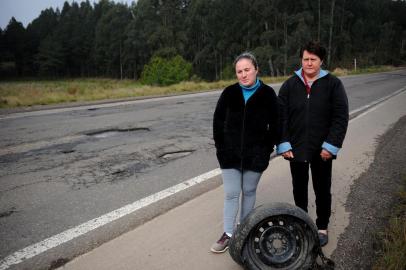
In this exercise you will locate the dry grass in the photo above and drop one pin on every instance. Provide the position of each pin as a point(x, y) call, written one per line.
point(29, 93)
point(393, 255)
point(374, 69)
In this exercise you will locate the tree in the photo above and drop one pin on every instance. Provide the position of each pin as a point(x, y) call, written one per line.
point(109, 40)
point(160, 71)
point(115, 40)
point(333, 2)
point(50, 57)
point(15, 41)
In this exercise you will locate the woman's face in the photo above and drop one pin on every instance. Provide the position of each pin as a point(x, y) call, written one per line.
point(311, 64)
point(246, 72)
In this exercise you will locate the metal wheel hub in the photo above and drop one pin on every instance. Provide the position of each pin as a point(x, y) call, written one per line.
point(277, 241)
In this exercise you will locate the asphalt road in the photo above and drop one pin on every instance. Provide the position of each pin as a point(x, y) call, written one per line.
point(366, 177)
point(63, 167)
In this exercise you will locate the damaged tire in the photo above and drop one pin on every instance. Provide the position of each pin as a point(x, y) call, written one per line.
point(275, 236)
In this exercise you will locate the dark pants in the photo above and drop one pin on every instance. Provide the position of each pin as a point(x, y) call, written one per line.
point(321, 176)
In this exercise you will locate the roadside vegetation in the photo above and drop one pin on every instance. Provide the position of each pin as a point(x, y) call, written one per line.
point(393, 239)
point(109, 39)
point(30, 92)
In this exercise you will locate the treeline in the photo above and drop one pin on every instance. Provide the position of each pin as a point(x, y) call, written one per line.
point(109, 39)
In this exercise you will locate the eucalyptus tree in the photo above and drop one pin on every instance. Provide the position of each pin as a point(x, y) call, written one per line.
point(109, 40)
point(140, 43)
point(265, 35)
point(72, 32)
point(85, 35)
point(199, 34)
point(216, 35)
point(50, 57)
point(37, 31)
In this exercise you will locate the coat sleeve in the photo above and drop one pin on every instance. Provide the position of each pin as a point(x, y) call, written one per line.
point(219, 121)
point(273, 134)
point(339, 115)
point(283, 101)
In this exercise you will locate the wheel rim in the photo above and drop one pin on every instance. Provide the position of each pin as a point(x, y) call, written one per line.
point(279, 241)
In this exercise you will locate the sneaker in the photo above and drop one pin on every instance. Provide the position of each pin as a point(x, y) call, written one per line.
point(323, 238)
point(221, 245)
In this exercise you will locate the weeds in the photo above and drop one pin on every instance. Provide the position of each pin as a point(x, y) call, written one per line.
point(44, 92)
point(393, 254)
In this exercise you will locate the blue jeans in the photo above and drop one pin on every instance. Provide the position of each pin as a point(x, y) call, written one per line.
point(232, 191)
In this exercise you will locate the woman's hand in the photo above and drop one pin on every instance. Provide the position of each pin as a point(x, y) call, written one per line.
point(287, 154)
point(325, 155)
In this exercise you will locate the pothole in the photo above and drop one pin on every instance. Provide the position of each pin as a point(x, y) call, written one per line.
point(8, 213)
point(67, 151)
point(115, 131)
point(176, 154)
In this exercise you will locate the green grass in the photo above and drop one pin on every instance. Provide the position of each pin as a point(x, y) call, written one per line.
point(23, 93)
point(393, 254)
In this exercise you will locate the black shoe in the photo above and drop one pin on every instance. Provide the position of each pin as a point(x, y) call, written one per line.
point(323, 238)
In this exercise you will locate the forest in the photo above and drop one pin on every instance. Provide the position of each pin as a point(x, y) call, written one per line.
point(113, 40)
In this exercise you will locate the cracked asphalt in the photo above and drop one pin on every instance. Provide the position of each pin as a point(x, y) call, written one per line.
point(64, 169)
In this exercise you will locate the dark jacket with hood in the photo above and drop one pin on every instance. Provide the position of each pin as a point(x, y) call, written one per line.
point(315, 121)
point(245, 133)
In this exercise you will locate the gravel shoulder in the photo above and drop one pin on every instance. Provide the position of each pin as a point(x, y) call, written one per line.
point(371, 201)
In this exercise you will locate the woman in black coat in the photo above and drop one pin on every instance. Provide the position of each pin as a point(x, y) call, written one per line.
point(244, 132)
point(314, 121)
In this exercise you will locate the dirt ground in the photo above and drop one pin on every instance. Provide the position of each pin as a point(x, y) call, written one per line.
point(371, 201)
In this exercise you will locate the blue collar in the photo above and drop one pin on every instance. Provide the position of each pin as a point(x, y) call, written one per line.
point(321, 74)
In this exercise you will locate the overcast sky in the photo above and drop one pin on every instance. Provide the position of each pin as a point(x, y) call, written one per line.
point(25, 11)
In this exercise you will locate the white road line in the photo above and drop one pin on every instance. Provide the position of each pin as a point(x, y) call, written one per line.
point(56, 240)
point(86, 227)
point(378, 101)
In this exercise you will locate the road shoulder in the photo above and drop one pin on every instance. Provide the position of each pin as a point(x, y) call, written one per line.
point(371, 201)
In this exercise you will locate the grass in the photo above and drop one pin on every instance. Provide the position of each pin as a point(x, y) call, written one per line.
point(29, 93)
point(372, 69)
point(393, 254)
point(24, 93)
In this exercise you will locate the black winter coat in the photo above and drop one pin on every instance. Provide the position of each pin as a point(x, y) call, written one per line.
point(307, 122)
point(245, 134)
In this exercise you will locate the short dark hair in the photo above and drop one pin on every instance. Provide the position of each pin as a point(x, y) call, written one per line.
point(247, 55)
point(314, 48)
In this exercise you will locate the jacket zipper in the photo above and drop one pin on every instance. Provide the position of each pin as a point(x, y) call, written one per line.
point(242, 137)
point(242, 152)
point(307, 122)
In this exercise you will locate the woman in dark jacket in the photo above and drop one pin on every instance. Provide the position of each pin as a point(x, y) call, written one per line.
point(244, 132)
point(314, 120)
